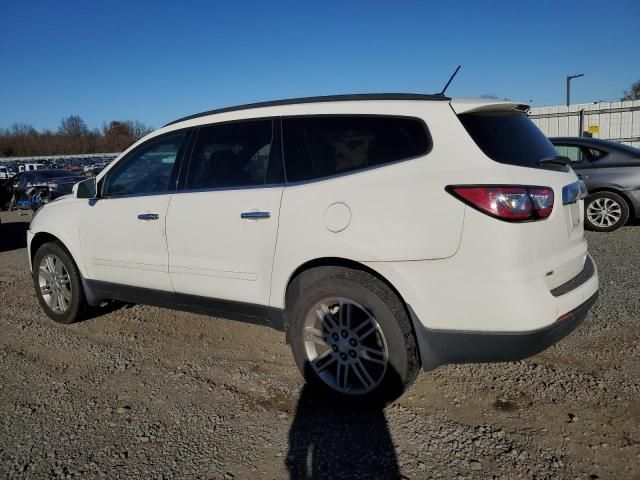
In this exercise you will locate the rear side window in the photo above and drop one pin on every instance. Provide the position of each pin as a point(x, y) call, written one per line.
point(316, 147)
point(237, 154)
point(508, 137)
point(596, 154)
point(572, 152)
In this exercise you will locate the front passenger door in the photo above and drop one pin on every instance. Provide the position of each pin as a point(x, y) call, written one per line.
point(123, 231)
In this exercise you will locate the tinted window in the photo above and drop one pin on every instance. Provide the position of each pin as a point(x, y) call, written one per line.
point(148, 169)
point(596, 154)
point(570, 151)
point(316, 147)
point(508, 137)
point(233, 155)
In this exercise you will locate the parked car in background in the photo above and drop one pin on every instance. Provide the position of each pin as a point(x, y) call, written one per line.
point(383, 233)
point(93, 170)
point(6, 194)
point(34, 188)
point(611, 172)
point(29, 167)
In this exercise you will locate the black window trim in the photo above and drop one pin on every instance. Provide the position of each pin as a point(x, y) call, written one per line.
point(359, 170)
point(276, 136)
point(177, 167)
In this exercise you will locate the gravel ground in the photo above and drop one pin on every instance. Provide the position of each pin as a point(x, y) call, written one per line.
point(142, 392)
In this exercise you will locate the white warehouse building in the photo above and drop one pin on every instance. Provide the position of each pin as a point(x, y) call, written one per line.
point(618, 121)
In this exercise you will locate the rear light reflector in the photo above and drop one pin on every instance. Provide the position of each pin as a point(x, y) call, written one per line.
point(510, 203)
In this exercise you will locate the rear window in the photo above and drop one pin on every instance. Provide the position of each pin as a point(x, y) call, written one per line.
point(317, 147)
point(508, 137)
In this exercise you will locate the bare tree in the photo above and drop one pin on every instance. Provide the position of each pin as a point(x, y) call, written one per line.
point(633, 93)
point(72, 136)
point(73, 126)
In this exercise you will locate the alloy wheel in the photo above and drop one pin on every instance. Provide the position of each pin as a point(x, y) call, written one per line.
point(345, 346)
point(604, 212)
point(55, 283)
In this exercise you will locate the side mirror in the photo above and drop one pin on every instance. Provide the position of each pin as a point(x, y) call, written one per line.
point(85, 189)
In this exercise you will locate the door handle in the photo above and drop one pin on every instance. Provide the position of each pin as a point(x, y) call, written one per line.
point(584, 177)
point(255, 215)
point(148, 216)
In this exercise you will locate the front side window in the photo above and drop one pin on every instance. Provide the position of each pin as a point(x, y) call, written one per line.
point(236, 154)
point(572, 152)
point(316, 147)
point(148, 169)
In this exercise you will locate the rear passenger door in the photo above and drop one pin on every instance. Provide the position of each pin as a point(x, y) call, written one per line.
point(222, 225)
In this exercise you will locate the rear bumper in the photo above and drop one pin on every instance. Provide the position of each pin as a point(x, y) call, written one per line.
point(440, 347)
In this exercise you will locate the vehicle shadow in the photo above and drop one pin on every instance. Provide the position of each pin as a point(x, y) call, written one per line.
point(107, 307)
point(13, 235)
point(330, 441)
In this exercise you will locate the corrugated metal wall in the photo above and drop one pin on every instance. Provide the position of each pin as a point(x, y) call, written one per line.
point(619, 121)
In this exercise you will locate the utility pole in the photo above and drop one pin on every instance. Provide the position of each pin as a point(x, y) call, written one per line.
point(569, 78)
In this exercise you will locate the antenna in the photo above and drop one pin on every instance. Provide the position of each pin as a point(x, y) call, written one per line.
point(450, 80)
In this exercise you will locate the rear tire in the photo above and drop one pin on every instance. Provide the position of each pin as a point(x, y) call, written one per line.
point(57, 283)
point(605, 212)
point(351, 337)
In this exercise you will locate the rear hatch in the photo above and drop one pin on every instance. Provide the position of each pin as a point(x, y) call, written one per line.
point(505, 134)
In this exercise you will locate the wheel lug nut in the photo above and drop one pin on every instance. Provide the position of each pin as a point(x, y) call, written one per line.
point(335, 336)
point(343, 356)
point(345, 334)
point(334, 347)
point(352, 342)
point(352, 353)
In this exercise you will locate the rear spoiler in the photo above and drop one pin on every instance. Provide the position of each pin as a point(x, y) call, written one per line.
point(461, 106)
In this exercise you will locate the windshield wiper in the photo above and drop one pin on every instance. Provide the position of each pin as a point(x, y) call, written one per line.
point(556, 160)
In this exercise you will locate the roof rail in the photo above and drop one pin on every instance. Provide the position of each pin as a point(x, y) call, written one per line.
point(326, 98)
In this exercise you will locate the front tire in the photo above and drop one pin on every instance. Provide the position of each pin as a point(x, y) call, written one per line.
point(351, 337)
point(57, 283)
point(605, 212)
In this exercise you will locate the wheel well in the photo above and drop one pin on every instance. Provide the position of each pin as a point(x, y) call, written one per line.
point(320, 265)
point(40, 239)
point(305, 268)
point(632, 210)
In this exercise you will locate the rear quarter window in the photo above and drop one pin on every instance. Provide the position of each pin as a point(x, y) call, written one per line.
point(323, 146)
point(508, 137)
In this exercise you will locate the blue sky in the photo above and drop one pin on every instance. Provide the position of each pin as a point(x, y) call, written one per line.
point(155, 61)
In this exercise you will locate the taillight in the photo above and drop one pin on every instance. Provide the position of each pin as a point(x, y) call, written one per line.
point(505, 202)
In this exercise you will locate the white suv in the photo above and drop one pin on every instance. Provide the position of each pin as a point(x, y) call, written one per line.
point(382, 233)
